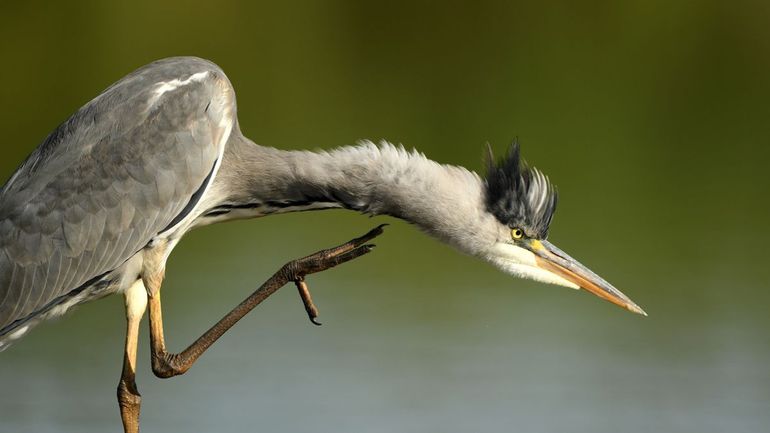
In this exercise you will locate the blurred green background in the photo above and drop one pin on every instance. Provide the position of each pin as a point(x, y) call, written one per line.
point(650, 116)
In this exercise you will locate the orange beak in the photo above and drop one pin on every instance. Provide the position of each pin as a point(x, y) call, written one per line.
point(548, 257)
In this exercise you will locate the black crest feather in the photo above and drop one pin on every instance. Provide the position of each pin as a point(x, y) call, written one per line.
point(519, 195)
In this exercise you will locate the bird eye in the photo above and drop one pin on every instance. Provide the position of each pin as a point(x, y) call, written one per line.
point(517, 233)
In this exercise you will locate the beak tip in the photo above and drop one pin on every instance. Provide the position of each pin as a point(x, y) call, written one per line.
point(636, 309)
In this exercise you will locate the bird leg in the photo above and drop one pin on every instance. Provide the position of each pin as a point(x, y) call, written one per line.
point(128, 396)
point(165, 364)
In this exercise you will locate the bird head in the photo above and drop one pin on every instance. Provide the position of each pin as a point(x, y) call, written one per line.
point(523, 201)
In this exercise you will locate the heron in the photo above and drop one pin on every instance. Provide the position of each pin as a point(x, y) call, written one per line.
point(98, 207)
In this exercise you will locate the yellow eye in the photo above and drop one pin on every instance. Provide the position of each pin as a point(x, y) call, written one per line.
point(517, 233)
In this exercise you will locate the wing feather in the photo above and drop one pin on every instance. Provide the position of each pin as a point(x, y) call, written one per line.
point(105, 182)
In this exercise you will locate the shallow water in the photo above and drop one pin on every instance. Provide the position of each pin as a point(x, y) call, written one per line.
point(443, 345)
point(651, 118)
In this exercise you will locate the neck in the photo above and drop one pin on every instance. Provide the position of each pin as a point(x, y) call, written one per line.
point(375, 180)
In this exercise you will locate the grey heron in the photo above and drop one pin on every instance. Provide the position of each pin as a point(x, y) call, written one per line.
point(98, 207)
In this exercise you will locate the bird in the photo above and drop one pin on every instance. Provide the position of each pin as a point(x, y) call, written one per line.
point(97, 208)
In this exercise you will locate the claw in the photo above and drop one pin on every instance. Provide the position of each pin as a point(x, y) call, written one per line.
point(373, 233)
point(379, 229)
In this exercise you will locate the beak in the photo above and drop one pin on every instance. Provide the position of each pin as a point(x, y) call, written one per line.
point(556, 261)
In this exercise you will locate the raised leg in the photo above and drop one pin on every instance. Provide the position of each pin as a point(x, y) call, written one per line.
point(165, 364)
point(129, 399)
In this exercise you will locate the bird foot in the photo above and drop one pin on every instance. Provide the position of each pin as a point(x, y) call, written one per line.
point(325, 259)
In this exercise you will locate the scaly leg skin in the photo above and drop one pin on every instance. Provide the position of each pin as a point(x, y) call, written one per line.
point(129, 399)
point(165, 364)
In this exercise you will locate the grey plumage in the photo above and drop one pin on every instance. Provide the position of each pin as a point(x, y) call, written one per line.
point(139, 163)
point(443, 200)
point(102, 185)
point(106, 197)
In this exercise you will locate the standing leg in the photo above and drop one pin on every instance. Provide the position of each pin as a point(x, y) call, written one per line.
point(165, 364)
point(128, 396)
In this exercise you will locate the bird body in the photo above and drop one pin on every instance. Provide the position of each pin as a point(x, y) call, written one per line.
point(126, 170)
point(109, 187)
point(98, 207)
